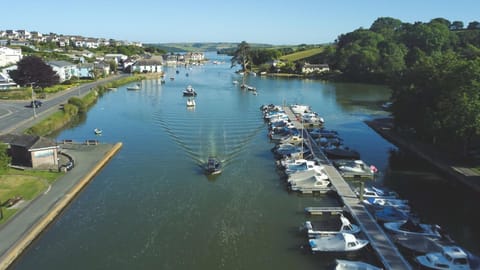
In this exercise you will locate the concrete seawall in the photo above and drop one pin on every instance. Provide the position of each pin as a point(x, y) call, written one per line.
point(468, 178)
point(21, 244)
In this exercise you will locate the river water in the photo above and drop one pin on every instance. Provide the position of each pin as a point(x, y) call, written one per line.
point(152, 207)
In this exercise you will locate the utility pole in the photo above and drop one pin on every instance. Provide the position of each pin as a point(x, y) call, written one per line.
point(34, 104)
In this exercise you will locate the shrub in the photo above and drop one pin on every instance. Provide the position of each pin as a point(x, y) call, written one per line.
point(79, 103)
point(70, 109)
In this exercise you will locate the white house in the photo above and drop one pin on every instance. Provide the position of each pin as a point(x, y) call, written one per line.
point(5, 81)
point(153, 65)
point(9, 56)
point(64, 69)
point(314, 68)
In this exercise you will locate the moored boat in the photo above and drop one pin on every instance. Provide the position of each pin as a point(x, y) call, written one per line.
point(451, 257)
point(354, 265)
point(315, 229)
point(135, 87)
point(410, 227)
point(189, 91)
point(97, 131)
point(340, 242)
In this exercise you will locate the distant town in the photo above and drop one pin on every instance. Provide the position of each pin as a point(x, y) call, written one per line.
point(73, 56)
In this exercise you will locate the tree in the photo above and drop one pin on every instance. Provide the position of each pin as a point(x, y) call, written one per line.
point(33, 70)
point(4, 158)
point(473, 25)
point(456, 25)
point(241, 55)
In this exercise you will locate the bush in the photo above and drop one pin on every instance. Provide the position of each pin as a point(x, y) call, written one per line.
point(70, 109)
point(79, 103)
point(4, 158)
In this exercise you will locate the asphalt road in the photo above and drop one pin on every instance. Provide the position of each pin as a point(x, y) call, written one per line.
point(15, 116)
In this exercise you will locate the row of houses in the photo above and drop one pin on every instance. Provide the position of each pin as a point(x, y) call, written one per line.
point(26, 38)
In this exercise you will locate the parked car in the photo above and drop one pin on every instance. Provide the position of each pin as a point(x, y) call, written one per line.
point(35, 103)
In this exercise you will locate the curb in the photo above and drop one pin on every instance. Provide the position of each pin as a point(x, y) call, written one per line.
point(16, 250)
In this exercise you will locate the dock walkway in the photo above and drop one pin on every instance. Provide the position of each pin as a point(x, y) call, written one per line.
point(381, 243)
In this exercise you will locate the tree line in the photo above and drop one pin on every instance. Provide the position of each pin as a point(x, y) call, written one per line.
point(433, 69)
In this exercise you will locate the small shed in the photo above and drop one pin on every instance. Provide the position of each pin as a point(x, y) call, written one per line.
point(31, 151)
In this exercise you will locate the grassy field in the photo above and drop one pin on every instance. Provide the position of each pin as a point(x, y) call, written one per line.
point(26, 184)
point(301, 55)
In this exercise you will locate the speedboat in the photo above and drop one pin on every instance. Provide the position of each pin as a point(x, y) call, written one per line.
point(189, 91)
point(451, 257)
point(339, 242)
point(300, 176)
point(191, 102)
point(375, 192)
point(315, 229)
point(302, 166)
point(135, 87)
point(354, 265)
point(312, 184)
point(410, 227)
point(299, 109)
point(213, 166)
point(401, 205)
point(97, 131)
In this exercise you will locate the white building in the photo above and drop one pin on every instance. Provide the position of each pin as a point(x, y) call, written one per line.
point(9, 56)
point(314, 68)
point(153, 65)
point(64, 69)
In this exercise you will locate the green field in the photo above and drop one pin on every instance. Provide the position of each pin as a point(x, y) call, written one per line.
point(301, 55)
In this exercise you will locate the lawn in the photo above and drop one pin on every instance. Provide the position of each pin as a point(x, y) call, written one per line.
point(301, 55)
point(27, 184)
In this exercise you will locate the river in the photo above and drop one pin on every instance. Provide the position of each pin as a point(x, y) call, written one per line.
point(152, 207)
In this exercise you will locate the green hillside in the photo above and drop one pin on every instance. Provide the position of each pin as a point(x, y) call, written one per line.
point(293, 57)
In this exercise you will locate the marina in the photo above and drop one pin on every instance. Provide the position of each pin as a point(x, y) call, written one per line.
point(383, 246)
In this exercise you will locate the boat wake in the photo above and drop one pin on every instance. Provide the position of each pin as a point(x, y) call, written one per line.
point(205, 135)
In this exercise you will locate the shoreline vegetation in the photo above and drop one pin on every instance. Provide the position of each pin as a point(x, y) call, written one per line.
point(76, 106)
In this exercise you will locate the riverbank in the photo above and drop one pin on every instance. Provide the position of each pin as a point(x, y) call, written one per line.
point(19, 232)
point(459, 172)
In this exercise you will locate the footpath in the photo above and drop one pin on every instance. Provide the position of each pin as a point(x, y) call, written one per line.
point(456, 170)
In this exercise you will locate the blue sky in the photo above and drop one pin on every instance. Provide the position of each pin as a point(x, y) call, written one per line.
point(255, 21)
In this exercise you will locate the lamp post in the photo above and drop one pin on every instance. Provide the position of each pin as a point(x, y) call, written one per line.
point(33, 102)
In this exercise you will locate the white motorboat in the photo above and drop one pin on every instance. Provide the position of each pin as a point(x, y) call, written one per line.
point(317, 171)
point(135, 87)
point(410, 227)
point(299, 109)
point(312, 184)
point(374, 192)
point(191, 102)
point(340, 242)
point(354, 265)
point(304, 166)
point(97, 131)
point(189, 91)
point(357, 166)
point(451, 257)
point(314, 229)
point(399, 204)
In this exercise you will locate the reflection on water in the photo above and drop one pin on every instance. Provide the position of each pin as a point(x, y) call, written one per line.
point(153, 208)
